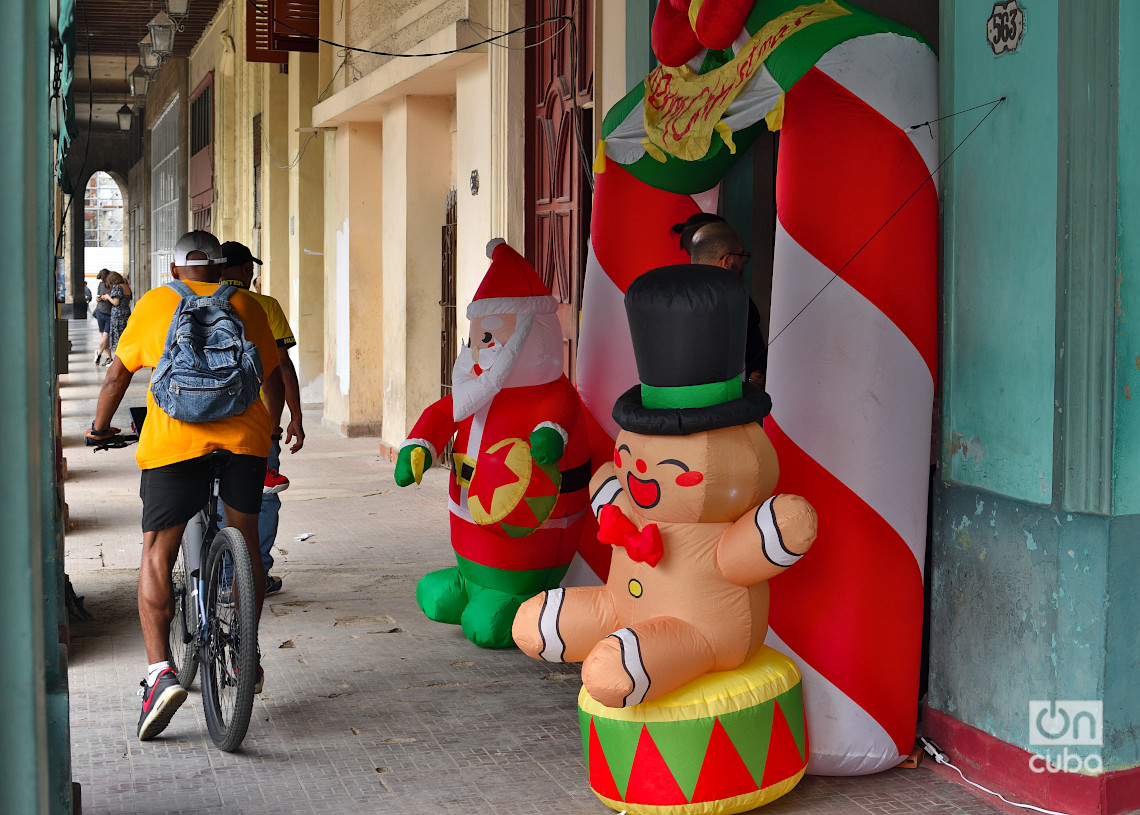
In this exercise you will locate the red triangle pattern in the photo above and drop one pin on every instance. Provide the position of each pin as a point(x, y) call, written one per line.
point(601, 779)
point(723, 772)
point(784, 758)
point(651, 781)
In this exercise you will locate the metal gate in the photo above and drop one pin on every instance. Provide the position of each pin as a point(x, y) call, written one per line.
point(448, 331)
point(165, 194)
point(448, 344)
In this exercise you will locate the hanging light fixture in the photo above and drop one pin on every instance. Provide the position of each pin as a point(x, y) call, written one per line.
point(140, 81)
point(177, 8)
point(162, 29)
point(148, 59)
point(125, 115)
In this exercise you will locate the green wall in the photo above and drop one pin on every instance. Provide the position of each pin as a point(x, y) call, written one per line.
point(1126, 413)
point(35, 752)
point(1035, 518)
point(999, 193)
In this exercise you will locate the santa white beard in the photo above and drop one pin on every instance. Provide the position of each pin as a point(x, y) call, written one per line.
point(531, 356)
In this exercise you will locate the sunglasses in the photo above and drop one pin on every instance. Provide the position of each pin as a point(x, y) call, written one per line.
point(744, 256)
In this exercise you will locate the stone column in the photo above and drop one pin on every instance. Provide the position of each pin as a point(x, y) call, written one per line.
point(305, 304)
point(417, 176)
point(353, 279)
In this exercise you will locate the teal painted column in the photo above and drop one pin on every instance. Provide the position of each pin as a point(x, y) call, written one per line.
point(1037, 508)
point(35, 750)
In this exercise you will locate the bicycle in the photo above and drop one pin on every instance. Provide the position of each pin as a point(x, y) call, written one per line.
point(215, 618)
point(215, 614)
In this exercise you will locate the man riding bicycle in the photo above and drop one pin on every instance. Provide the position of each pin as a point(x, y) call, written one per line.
point(176, 480)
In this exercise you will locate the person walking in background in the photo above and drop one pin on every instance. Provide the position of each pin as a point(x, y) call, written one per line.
point(719, 244)
point(687, 228)
point(103, 316)
point(239, 272)
point(120, 299)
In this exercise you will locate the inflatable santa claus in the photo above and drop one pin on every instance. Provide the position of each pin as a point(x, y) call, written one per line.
point(518, 497)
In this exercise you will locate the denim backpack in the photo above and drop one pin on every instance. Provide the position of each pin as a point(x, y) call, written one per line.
point(208, 369)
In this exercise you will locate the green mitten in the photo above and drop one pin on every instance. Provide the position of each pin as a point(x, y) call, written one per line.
point(546, 445)
point(411, 463)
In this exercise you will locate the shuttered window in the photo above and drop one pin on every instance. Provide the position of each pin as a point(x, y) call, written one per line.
point(273, 28)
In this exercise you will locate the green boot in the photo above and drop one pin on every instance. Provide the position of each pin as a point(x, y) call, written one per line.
point(489, 615)
point(442, 595)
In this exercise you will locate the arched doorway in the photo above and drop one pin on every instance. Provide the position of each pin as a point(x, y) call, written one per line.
point(103, 227)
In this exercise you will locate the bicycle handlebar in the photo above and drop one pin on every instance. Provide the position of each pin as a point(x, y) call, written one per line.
point(118, 441)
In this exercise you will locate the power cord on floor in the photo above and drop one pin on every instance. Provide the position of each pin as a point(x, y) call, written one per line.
point(936, 753)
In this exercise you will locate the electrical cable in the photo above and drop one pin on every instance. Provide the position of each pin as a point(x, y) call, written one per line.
point(472, 25)
point(940, 757)
point(262, 13)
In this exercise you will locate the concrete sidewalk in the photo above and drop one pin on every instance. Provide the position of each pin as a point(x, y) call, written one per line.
point(368, 706)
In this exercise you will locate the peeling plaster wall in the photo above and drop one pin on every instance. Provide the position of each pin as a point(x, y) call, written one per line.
point(1018, 600)
point(1032, 604)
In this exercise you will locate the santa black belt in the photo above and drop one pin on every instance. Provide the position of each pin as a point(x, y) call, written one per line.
point(574, 479)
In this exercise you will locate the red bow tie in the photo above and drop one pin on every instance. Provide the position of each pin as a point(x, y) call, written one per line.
point(617, 530)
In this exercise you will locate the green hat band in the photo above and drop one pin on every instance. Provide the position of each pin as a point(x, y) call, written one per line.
point(690, 396)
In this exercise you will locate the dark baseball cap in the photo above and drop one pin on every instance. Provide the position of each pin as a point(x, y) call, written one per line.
point(237, 254)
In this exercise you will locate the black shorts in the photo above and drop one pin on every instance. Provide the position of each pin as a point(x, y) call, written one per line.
point(172, 494)
point(104, 321)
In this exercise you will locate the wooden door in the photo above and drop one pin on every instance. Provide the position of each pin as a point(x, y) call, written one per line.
point(560, 92)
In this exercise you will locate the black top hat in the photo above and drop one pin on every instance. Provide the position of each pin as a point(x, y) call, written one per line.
point(689, 325)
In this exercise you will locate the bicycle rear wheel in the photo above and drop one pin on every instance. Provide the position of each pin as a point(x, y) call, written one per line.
point(183, 649)
point(229, 667)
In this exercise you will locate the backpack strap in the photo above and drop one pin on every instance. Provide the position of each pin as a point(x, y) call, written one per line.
point(225, 291)
point(181, 288)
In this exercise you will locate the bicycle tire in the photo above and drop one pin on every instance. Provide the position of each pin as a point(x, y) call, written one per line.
point(229, 664)
point(183, 649)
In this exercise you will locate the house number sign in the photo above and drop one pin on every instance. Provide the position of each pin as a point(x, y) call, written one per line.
point(1005, 28)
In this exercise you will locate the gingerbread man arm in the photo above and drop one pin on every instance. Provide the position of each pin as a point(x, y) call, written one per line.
point(605, 488)
point(767, 540)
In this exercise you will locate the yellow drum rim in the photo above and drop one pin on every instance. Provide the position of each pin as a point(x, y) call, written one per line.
point(762, 678)
point(723, 806)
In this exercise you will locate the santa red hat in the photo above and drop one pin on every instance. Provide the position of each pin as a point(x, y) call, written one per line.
point(511, 286)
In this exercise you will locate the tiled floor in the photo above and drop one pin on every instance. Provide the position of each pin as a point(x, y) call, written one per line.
point(368, 706)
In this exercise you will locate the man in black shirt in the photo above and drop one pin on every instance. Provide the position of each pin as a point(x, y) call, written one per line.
point(718, 244)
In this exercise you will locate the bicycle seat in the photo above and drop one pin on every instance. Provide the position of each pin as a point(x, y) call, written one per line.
point(218, 459)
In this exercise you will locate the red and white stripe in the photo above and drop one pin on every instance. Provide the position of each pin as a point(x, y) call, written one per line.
point(852, 384)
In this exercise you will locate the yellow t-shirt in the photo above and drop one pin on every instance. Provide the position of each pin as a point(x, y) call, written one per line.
point(165, 440)
point(278, 322)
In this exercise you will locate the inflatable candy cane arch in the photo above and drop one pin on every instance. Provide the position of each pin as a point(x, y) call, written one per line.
point(853, 327)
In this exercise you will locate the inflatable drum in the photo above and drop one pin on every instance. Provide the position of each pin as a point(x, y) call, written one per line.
point(727, 742)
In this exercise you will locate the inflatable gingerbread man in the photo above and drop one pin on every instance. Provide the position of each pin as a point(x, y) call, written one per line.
point(521, 461)
point(686, 504)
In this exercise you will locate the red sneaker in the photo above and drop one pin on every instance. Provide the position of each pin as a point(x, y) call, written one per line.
point(274, 482)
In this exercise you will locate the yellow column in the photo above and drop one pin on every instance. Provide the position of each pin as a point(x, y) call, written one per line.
point(417, 176)
point(353, 279)
point(306, 306)
point(508, 127)
point(275, 184)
